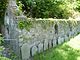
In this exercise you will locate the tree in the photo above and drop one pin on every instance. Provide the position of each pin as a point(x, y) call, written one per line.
point(3, 4)
point(47, 8)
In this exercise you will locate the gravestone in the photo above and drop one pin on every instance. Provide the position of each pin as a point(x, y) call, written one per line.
point(40, 47)
point(25, 49)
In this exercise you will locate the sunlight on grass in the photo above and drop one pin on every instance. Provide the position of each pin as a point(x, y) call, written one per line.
point(78, 58)
point(75, 42)
point(68, 51)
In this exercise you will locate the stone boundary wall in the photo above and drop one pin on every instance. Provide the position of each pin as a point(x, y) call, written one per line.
point(42, 34)
point(46, 34)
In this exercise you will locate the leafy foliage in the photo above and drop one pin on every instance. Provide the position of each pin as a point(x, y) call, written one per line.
point(1, 39)
point(2, 48)
point(49, 8)
point(25, 24)
point(78, 5)
point(3, 5)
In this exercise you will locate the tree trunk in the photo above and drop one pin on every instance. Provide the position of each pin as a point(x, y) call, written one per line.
point(2, 29)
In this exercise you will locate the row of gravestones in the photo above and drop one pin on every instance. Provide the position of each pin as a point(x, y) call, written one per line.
point(28, 50)
point(62, 33)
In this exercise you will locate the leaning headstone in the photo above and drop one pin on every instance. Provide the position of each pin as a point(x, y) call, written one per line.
point(25, 49)
point(60, 40)
point(66, 38)
point(34, 50)
point(54, 42)
point(46, 44)
point(40, 47)
point(49, 43)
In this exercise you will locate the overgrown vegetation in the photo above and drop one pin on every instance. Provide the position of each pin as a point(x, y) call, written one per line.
point(45, 23)
point(49, 8)
point(27, 24)
point(3, 6)
point(2, 48)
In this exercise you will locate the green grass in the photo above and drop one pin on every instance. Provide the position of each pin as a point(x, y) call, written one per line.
point(61, 52)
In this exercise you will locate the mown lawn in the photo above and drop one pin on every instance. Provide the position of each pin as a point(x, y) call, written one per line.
point(67, 51)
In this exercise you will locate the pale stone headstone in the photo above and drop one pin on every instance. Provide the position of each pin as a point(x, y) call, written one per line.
point(60, 40)
point(45, 45)
point(50, 43)
point(66, 38)
point(25, 49)
point(34, 50)
point(40, 47)
point(54, 42)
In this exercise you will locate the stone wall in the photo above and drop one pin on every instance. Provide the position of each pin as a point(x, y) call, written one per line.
point(45, 34)
point(41, 35)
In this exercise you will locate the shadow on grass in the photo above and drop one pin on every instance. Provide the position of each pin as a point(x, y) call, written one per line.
point(62, 52)
point(68, 51)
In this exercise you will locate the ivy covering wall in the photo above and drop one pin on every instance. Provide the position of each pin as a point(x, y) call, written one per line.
point(45, 23)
